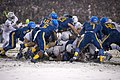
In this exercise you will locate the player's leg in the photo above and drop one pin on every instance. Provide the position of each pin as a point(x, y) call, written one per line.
point(12, 42)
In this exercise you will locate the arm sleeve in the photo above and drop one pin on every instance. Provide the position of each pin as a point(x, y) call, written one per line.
point(100, 35)
point(28, 36)
point(83, 29)
point(14, 21)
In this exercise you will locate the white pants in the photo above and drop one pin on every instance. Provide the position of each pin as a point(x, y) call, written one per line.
point(58, 49)
point(6, 38)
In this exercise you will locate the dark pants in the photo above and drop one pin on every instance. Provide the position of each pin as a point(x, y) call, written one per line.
point(40, 40)
point(113, 37)
point(90, 37)
point(12, 41)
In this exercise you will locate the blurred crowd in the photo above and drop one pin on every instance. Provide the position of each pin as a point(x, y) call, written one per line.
point(36, 9)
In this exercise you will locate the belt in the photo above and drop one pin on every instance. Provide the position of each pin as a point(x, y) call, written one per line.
point(89, 31)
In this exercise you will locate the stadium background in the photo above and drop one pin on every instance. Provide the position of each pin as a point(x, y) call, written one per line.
point(36, 9)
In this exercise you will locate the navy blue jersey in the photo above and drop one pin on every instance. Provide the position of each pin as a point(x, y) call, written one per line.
point(20, 33)
point(44, 22)
point(63, 23)
point(87, 26)
point(48, 31)
point(91, 27)
point(14, 35)
point(107, 28)
point(35, 30)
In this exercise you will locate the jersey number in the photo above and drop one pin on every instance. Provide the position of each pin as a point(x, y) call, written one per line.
point(62, 19)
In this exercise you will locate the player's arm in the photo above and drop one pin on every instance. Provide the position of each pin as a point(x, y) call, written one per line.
point(73, 29)
point(54, 36)
point(83, 29)
point(15, 20)
point(53, 42)
point(29, 44)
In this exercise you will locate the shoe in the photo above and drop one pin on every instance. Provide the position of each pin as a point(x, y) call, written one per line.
point(108, 56)
point(26, 55)
point(33, 61)
point(1, 48)
point(2, 51)
point(73, 59)
point(3, 56)
point(19, 56)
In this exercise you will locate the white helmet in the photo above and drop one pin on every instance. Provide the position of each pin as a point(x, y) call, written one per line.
point(65, 36)
point(78, 25)
point(69, 48)
point(75, 19)
point(10, 14)
point(109, 20)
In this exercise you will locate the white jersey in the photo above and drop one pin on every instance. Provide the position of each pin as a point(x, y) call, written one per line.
point(78, 25)
point(28, 36)
point(63, 38)
point(117, 26)
point(115, 46)
point(9, 24)
point(14, 21)
point(7, 28)
point(65, 35)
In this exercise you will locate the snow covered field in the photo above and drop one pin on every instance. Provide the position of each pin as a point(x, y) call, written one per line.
point(11, 69)
point(50, 70)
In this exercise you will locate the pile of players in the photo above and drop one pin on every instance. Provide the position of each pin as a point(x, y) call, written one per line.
point(61, 38)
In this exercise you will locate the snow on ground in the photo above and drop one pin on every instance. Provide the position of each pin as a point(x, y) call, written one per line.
point(50, 70)
point(11, 69)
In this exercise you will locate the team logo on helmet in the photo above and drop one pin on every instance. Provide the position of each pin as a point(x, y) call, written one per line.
point(94, 19)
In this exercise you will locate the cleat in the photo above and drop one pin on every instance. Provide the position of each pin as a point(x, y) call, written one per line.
point(33, 61)
point(19, 56)
point(3, 56)
point(73, 59)
point(108, 56)
point(2, 51)
point(26, 55)
point(65, 57)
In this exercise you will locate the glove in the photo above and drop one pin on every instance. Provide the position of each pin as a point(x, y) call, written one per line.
point(78, 36)
point(82, 35)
